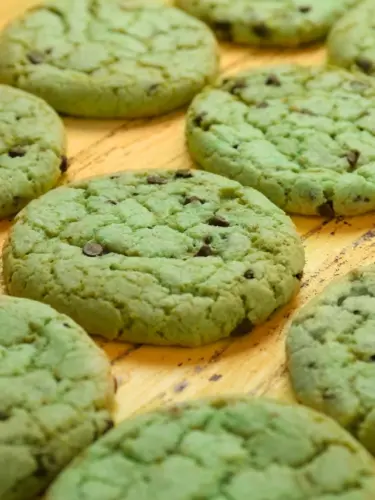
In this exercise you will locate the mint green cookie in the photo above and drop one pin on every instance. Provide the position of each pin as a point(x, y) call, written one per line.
point(269, 22)
point(56, 395)
point(303, 136)
point(108, 58)
point(331, 353)
point(351, 43)
point(160, 257)
point(32, 149)
point(224, 449)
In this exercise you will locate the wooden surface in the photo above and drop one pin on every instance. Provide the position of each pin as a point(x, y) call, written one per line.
point(255, 364)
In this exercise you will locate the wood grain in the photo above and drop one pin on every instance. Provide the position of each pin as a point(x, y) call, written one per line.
point(255, 364)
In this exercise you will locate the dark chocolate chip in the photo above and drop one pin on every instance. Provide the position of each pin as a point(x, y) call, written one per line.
point(224, 30)
point(357, 85)
point(3, 416)
point(312, 364)
point(193, 199)
point(153, 89)
point(358, 198)
point(208, 239)
point(92, 249)
point(36, 57)
point(198, 120)
point(356, 312)
point(261, 30)
point(364, 64)
point(326, 210)
point(156, 179)
point(249, 274)
point(183, 174)
point(204, 251)
point(67, 325)
point(372, 358)
point(299, 276)
point(273, 80)
point(235, 146)
point(243, 328)
point(237, 85)
point(112, 202)
point(64, 164)
point(305, 9)
point(17, 152)
point(352, 157)
point(216, 220)
point(262, 105)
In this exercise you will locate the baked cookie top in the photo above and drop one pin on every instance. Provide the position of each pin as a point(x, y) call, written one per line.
point(161, 257)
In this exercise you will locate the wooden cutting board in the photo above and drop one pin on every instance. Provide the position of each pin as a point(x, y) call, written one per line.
point(255, 364)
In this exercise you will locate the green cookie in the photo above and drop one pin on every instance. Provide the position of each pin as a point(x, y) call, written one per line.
point(56, 395)
point(351, 43)
point(32, 147)
point(232, 448)
point(160, 257)
point(108, 58)
point(271, 22)
point(331, 351)
point(303, 136)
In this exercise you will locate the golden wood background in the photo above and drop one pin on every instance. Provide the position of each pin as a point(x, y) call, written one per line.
point(255, 364)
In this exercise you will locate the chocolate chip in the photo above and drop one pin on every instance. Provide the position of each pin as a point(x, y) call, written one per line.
point(153, 89)
point(372, 358)
point(109, 425)
point(41, 470)
point(328, 395)
point(326, 210)
point(357, 85)
point(249, 274)
point(48, 51)
point(92, 249)
point(112, 202)
point(208, 239)
point(261, 30)
point(299, 276)
point(36, 57)
point(366, 199)
point(352, 157)
point(356, 312)
point(3, 416)
point(312, 364)
point(243, 328)
point(235, 146)
point(193, 199)
point(237, 85)
point(183, 174)
point(216, 220)
point(198, 120)
point(67, 325)
point(273, 80)
point(262, 105)
point(304, 9)
point(364, 64)
point(17, 152)
point(64, 164)
point(156, 179)
point(204, 251)
point(223, 29)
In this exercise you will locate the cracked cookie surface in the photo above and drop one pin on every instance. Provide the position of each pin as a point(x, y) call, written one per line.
point(351, 43)
point(223, 449)
point(32, 147)
point(108, 58)
point(56, 395)
point(331, 353)
point(304, 137)
point(268, 22)
point(160, 257)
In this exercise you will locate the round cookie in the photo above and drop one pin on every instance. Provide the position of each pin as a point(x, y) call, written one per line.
point(32, 147)
point(56, 395)
point(108, 58)
point(303, 136)
point(286, 23)
point(331, 353)
point(233, 448)
point(160, 257)
point(351, 43)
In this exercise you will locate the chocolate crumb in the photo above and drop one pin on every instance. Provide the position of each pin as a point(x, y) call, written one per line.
point(208, 239)
point(249, 274)
point(326, 210)
point(238, 84)
point(64, 164)
point(299, 276)
point(305, 9)
point(215, 377)
point(193, 199)
point(198, 120)
point(224, 30)
point(36, 57)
